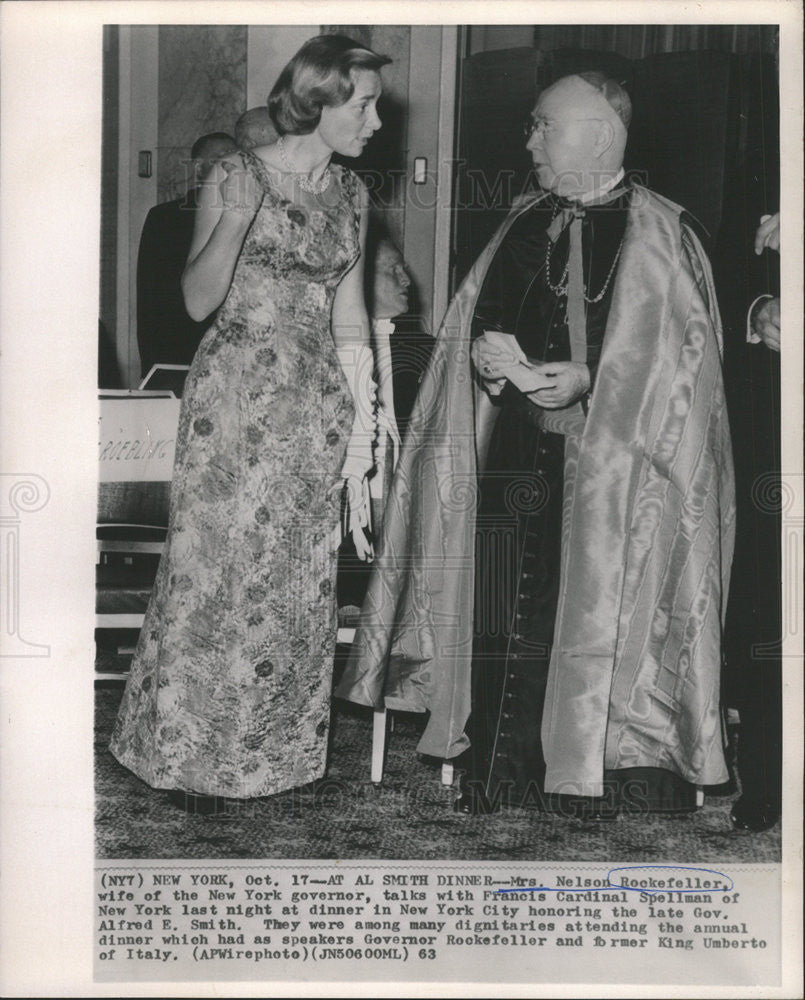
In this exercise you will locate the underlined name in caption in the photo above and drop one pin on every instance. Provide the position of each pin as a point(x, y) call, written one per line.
point(261, 920)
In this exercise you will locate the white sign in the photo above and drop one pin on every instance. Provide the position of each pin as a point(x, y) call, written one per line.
point(137, 437)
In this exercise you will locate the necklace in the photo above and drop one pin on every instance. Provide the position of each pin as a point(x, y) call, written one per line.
point(305, 183)
point(560, 288)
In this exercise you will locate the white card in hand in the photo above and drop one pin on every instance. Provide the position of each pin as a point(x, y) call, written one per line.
point(525, 376)
point(528, 378)
point(507, 344)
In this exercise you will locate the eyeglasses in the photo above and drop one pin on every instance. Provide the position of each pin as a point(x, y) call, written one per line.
point(546, 126)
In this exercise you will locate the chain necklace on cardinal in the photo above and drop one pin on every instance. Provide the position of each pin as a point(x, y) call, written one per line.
point(560, 288)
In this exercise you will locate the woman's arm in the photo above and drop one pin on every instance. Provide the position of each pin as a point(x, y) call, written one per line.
point(352, 337)
point(350, 322)
point(351, 334)
point(229, 198)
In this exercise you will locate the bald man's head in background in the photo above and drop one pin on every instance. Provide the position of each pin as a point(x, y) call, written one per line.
point(208, 149)
point(254, 128)
point(389, 282)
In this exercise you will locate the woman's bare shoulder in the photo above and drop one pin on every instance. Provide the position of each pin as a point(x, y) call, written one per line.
point(269, 154)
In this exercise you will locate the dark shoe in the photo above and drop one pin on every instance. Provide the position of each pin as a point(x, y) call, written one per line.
point(754, 814)
point(475, 803)
point(199, 805)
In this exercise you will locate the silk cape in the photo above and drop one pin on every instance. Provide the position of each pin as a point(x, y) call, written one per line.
point(647, 536)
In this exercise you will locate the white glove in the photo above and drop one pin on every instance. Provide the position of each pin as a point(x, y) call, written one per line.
point(358, 364)
point(387, 423)
point(359, 509)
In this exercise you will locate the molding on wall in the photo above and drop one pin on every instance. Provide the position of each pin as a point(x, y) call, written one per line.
point(139, 54)
point(444, 182)
point(423, 141)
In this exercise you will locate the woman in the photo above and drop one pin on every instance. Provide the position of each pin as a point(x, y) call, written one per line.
point(229, 689)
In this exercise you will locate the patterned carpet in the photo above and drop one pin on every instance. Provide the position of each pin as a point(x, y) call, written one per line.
point(409, 816)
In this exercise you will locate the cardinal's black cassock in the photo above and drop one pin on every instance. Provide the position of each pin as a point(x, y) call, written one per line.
point(551, 584)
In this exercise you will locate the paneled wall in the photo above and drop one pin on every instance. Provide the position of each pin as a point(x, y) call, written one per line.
point(178, 82)
point(202, 88)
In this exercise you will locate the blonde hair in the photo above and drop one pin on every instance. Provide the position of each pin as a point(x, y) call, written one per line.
point(319, 75)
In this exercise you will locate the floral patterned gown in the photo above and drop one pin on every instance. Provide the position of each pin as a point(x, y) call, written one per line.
point(229, 692)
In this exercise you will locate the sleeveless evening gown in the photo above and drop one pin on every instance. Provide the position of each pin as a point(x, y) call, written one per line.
point(229, 691)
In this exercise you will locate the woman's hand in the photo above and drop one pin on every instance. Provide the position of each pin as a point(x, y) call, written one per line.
point(358, 498)
point(227, 201)
point(240, 190)
point(358, 501)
